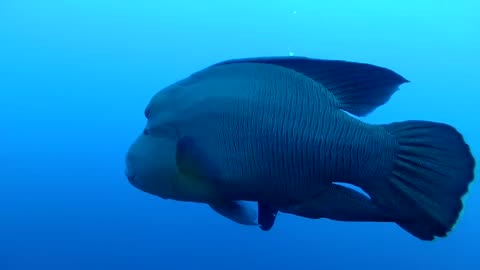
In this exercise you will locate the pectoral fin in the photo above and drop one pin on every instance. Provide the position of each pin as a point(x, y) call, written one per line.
point(236, 211)
point(266, 216)
point(198, 175)
point(193, 160)
point(340, 203)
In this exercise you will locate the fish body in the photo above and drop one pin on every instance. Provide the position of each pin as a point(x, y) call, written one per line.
point(282, 131)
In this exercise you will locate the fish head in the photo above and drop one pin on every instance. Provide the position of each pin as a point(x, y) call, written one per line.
point(151, 159)
point(151, 162)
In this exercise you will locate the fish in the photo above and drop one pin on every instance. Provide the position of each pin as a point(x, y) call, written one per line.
point(286, 134)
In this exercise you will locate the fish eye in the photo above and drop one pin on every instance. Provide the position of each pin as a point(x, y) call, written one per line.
point(166, 130)
point(147, 112)
point(146, 131)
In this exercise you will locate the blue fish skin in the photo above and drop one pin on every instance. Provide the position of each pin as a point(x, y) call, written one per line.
point(280, 132)
point(275, 134)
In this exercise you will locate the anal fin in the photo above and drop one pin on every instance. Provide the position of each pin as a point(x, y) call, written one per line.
point(342, 204)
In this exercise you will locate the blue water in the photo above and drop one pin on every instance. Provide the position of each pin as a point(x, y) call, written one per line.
point(75, 77)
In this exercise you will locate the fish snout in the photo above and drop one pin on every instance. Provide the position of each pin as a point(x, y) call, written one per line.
point(130, 169)
point(129, 172)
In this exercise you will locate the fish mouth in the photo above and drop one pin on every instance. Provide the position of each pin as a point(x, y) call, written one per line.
point(130, 173)
point(133, 179)
point(130, 176)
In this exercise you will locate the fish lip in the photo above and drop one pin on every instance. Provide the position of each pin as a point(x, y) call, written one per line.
point(130, 175)
point(130, 172)
point(133, 177)
point(133, 180)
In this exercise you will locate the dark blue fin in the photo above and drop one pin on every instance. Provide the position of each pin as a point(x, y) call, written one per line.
point(341, 203)
point(359, 88)
point(235, 211)
point(431, 173)
point(266, 216)
point(192, 161)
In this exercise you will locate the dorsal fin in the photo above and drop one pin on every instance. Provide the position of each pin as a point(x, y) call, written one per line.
point(359, 88)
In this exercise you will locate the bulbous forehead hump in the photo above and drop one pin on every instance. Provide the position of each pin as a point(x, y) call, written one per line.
point(163, 100)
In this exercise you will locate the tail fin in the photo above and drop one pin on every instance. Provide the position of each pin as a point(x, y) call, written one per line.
point(431, 173)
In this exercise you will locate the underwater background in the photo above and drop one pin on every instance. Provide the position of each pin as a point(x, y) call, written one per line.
point(75, 77)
